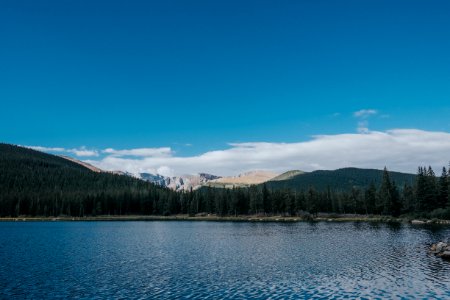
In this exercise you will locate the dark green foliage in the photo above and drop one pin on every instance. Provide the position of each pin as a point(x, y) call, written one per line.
point(385, 193)
point(339, 180)
point(395, 204)
point(408, 199)
point(421, 183)
point(431, 192)
point(371, 198)
point(34, 183)
point(443, 189)
point(427, 191)
point(37, 184)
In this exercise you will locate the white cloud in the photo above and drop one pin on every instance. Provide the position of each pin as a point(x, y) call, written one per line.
point(80, 152)
point(144, 152)
point(83, 152)
point(398, 149)
point(364, 113)
point(46, 149)
point(165, 171)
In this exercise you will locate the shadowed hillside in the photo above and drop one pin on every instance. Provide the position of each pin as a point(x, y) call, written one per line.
point(33, 183)
point(341, 179)
point(36, 183)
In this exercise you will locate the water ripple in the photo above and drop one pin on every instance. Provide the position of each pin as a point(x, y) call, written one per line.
point(209, 260)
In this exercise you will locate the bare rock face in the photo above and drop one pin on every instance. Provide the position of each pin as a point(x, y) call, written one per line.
point(179, 183)
point(249, 178)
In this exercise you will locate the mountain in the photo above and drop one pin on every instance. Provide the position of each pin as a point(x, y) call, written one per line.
point(37, 183)
point(243, 180)
point(179, 183)
point(186, 182)
point(340, 179)
point(287, 175)
point(176, 183)
point(156, 179)
point(84, 164)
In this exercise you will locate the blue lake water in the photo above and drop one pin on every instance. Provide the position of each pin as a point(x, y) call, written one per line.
point(220, 260)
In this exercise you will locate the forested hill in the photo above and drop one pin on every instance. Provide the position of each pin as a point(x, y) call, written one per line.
point(340, 180)
point(36, 183)
point(14, 158)
point(33, 183)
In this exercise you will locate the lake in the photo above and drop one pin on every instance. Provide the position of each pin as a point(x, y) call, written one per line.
point(176, 259)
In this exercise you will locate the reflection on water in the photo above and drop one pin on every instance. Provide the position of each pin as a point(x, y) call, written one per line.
point(221, 260)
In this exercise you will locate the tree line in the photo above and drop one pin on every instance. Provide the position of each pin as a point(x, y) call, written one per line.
point(428, 197)
point(37, 184)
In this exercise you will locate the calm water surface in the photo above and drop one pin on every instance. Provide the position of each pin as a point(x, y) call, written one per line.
point(220, 260)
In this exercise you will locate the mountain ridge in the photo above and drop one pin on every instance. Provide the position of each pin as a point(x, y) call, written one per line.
point(339, 179)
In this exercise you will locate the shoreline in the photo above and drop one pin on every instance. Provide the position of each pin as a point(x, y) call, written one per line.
point(214, 218)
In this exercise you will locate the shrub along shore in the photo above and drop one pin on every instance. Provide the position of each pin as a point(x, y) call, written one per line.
point(244, 218)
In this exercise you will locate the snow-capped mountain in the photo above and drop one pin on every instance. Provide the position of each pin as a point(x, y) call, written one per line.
point(156, 179)
point(188, 182)
point(179, 183)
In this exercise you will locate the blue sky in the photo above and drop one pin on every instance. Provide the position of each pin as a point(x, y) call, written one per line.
point(195, 76)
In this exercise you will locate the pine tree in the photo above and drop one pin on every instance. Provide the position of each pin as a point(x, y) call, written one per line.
point(256, 205)
point(354, 197)
point(443, 189)
point(370, 197)
point(408, 200)
point(384, 193)
point(396, 205)
point(267, 206)
point(299, 201)
point(430, 190)
point(421, 190)
point(311, 200)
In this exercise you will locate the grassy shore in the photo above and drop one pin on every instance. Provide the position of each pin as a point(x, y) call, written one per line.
point(215, 218)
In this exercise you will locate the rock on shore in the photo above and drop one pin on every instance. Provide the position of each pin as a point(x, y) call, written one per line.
point(441, 249)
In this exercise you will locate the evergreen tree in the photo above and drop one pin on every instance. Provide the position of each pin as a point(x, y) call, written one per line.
point(289, 203)
point(311, 201)
point(267, 205)
point(354, 200)
point(421, 190)
point(384, 193)
point(371, 198)
point(408, 199)
point(396, 204)
point(443, 189)
point(300, 201)
point(431, 199)
point(256, 204)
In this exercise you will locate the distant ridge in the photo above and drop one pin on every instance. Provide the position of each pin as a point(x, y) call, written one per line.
point(84, 164)
point(287, 175)
point(341, 179)
point(37, 183)
point(243, 180)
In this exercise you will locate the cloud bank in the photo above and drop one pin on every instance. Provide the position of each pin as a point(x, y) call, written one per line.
point(143, 152)
point(398, 149)
point(80, 152)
